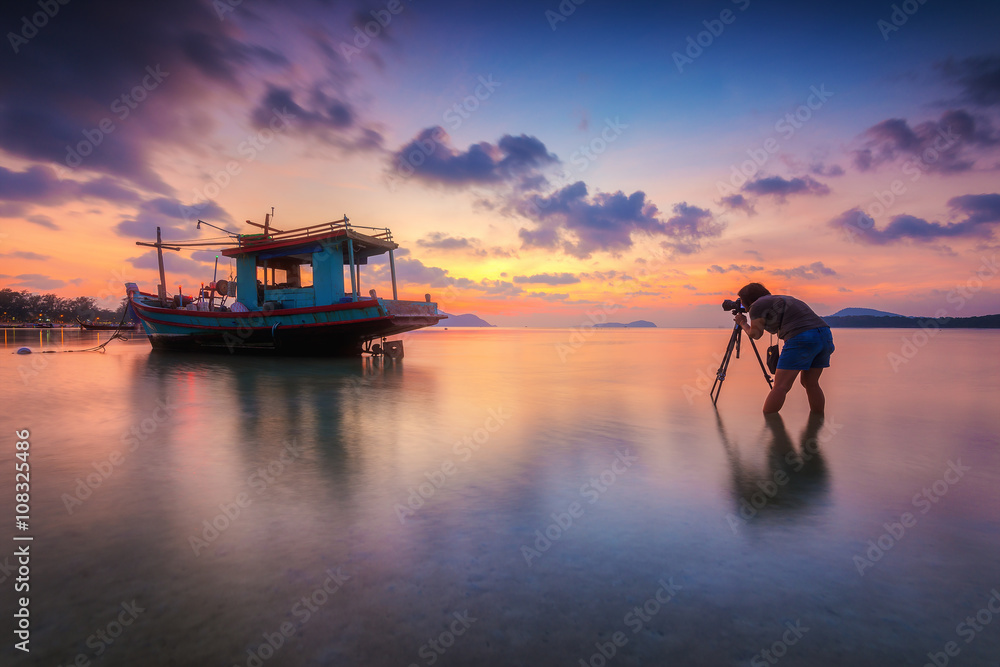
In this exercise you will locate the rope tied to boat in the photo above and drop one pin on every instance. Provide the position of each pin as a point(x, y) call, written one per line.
point(117, 334)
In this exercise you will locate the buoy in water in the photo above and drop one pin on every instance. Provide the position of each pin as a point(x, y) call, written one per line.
point(24, 350)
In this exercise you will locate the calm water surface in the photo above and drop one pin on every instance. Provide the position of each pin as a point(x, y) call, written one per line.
point(506, 497)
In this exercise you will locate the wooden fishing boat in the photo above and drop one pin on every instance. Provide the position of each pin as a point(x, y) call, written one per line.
point(267, 308)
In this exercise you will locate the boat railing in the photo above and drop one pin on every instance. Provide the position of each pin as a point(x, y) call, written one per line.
point(322, 228)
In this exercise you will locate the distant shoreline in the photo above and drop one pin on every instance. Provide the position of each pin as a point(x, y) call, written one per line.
point(901, 322)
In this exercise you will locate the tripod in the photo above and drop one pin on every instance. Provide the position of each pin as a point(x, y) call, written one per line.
point(734, 343)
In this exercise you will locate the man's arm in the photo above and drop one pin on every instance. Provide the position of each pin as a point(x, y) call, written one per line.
point(755, 329)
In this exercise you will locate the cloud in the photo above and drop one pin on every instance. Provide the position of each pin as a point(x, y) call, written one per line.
point(332, 120)
point(781, 188)
point(981, 212)
point(821, 169)
point(442, 241)
point(735, 268)
point(430, 157)
point(39, 281)
point(738, 203)
point(415, 272)
point(607, 276)
point(41, 185)
point(810, 272)
point(951, 144)
point(173, 217)
point(979, 208)
point(578, 224)
point(174, 264)
point(24, 254)
point(978, 77)
point(549, 296)
point(156, 75)
point(548, 279)
point(43, 221)
point(688, 227)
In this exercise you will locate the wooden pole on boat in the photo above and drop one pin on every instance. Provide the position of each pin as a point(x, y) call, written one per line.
point(392, 270)
point(350, 259)
point(162, 289)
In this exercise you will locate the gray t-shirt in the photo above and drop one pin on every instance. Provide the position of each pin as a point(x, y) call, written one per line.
point(784, 315)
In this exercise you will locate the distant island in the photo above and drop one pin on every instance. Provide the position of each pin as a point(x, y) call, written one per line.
point(638, 324)
point(851, 312)
point(869, 318)
point(467, 320)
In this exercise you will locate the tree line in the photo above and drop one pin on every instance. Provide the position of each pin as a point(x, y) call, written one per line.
point(24, 306)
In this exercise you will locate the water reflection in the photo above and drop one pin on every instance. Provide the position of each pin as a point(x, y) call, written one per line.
point(789, 480)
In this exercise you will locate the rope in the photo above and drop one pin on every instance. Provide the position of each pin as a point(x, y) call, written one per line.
point(117, 334)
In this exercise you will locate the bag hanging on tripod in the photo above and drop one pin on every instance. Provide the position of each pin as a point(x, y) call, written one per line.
point(772, 358)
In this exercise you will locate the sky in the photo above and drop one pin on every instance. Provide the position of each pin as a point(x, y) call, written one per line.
point(540, 163)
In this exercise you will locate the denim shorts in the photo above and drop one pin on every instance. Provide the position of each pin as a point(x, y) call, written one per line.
point(809, 349)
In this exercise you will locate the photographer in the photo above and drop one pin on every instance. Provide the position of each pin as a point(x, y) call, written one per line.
point(807, 348)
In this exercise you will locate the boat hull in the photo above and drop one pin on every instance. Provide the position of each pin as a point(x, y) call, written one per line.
point(334, 330)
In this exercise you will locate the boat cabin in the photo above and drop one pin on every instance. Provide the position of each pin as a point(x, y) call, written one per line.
point(304, 268)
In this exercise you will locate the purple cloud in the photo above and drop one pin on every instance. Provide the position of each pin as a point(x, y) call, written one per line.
point(548, 279)
point(781, 188)
point(431, 158)
point(981, 212)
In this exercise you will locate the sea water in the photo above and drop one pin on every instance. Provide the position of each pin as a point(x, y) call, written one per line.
point(502, 497)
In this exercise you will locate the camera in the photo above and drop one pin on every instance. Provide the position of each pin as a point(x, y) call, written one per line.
point(735, 306)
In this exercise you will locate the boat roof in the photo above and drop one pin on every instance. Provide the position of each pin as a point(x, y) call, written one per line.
point(309, 239)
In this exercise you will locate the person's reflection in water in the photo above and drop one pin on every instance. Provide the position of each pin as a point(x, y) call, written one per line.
point(794, 479)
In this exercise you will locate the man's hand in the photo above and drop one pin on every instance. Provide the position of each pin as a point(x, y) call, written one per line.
point(741, 320)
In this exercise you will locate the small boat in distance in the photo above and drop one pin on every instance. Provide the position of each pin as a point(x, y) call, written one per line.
point(91, 326)
point(272, 309)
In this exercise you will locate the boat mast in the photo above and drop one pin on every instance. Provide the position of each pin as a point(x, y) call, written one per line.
point(161, 290)
point(162, 287)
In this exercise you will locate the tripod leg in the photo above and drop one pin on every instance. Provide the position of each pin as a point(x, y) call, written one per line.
point(763, 368)
point(720, 375)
